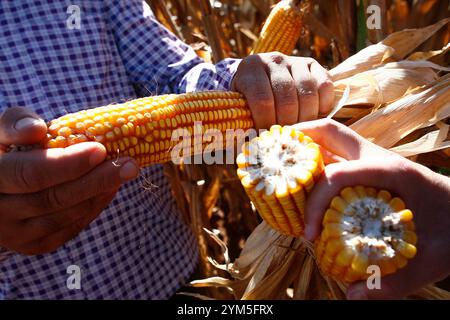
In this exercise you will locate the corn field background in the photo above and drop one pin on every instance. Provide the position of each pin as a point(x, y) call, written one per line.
point(211, 197)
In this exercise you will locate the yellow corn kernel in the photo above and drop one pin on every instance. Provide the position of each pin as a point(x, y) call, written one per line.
point(405, 249)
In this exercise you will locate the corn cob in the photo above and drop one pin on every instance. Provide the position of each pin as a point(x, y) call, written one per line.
point(277, 170)
point(143, 128)
point(281, 30)
point(363, 227)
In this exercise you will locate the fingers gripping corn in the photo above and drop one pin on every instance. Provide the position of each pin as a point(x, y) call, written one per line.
point(362, 227)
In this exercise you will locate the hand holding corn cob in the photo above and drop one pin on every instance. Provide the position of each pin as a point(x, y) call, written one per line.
point(362, 227)
point(284, 90)
point(362, 163)
point(39, 211)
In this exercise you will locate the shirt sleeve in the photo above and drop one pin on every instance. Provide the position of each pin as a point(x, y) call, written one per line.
point(158, 62)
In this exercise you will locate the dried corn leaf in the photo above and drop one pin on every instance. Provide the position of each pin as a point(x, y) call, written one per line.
point(394, 47)
point(261, 271)
point(421, 108)
point(407, 40)
point(224, 248)
point(257, 243)
point(304, 278)
point(429, 54)
point(364, 60)
point(382, 85)
point(430, 142)
point(212, 282)
point(270, 286)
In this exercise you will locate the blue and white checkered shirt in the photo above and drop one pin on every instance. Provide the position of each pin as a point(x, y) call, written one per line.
point(56, 61)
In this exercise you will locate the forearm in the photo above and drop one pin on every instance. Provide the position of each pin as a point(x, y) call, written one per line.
point(156, 61)
point(207, 76)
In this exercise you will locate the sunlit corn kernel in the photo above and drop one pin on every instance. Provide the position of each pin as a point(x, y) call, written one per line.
point(134, 141)
point(349, 195)
point(405, 215)
point(344, 257)
point(332, 216)
point(155, 115)
point(334, 246)
point(397, 204)
point(110, 136)
point(384, 195)
point(339, 204)
point(125, 131)
point(65, 132)
point(405, 249)
point(52, 143)
point(149, 138)
point(360, 263)
point(332, 230)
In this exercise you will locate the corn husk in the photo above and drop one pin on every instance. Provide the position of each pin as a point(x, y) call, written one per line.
point(432, 141)
point(394, 48)
point(383, 84)
point(364, 60)
point(404, 42)
point(286, 269)
point(429, 55)
point(422, 108)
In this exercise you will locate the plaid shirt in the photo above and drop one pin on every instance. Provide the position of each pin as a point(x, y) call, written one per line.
point(138, 248)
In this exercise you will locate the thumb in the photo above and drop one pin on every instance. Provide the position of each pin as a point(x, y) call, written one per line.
point(21, 126)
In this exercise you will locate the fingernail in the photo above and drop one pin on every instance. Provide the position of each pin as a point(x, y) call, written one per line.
point(358, 294)
point(129, 171)
point(26, 123)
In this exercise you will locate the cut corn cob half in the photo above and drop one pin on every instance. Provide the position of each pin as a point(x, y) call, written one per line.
point(281, 30)
point(143, 128)
point(362, 227)
point(277, 170)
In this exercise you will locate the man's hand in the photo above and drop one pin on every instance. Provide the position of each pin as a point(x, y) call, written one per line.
point(48, 196)
point(356, 161)
point(282, 89)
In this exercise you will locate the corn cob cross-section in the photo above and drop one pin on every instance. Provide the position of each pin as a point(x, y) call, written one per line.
point(143, 128)
point(277, 170)
point(282, 28)
point(364, 227)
